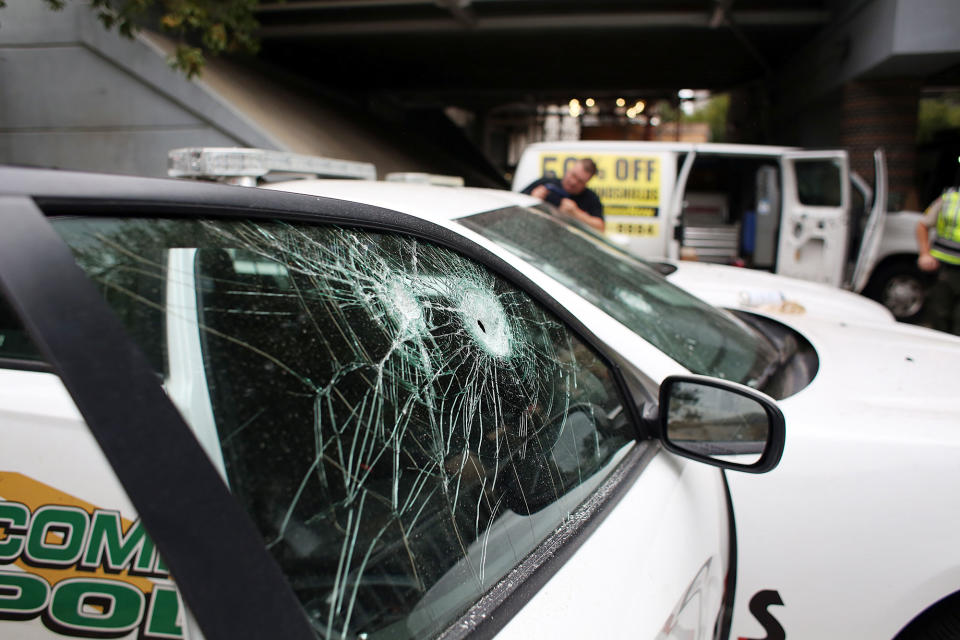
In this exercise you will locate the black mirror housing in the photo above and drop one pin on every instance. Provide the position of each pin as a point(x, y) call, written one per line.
point(721, 423)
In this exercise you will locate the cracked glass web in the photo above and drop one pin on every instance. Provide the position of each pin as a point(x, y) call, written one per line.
point(403, 425)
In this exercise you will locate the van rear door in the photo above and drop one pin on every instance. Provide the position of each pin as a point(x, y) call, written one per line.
point(816, 204)
point(873, 229)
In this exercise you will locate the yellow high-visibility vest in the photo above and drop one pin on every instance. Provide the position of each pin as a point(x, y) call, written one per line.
point(946, 246)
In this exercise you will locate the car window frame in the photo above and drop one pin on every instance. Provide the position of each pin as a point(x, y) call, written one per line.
point(58, 194)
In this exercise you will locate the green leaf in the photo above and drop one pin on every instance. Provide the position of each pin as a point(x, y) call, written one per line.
point(204, 27)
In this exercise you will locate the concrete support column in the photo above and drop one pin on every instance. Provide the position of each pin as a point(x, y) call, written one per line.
point(883, 113)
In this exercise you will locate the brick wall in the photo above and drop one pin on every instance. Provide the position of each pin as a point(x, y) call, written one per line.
point(883, 113)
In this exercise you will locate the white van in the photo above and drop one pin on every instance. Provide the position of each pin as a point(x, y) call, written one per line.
point(791, 211)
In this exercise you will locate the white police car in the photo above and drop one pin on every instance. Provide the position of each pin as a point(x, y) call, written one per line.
point(326, 419)
point(854, 534)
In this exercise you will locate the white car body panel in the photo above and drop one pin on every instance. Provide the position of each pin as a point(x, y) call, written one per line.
point(43, 437)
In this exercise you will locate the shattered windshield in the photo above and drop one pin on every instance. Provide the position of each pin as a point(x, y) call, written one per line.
point(703, 339)
point(403, 426)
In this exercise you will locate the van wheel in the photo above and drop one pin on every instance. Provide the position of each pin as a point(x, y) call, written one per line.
point(901, 287)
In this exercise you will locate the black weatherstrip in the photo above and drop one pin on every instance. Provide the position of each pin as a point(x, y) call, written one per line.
point(231, 584)
point(730, 591)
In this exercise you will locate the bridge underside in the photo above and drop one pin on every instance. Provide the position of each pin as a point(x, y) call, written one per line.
point(487, 53)
point(799, 69)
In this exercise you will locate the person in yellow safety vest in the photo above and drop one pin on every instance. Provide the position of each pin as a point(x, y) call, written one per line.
point(943, 302)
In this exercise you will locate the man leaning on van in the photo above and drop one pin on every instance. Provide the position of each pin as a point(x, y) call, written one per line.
point(570, 194)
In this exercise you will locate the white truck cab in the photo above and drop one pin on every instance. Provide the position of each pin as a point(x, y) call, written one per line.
point(786, 210)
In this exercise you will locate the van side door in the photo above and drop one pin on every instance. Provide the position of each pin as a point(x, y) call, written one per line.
point(816, 202)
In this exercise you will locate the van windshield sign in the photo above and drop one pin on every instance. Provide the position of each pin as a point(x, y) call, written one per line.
point(627, 184)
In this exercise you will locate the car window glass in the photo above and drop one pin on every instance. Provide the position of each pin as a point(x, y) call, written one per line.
point(403, 426)
point(819, 182)
point(703, 339)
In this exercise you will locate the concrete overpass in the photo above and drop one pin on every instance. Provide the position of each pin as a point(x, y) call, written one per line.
point(373, 77)
point(807, 72)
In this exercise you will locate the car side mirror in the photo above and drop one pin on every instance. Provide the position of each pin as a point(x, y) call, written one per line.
point(721, 423)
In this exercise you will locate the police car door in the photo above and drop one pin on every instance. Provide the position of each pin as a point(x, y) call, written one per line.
point(816, 201)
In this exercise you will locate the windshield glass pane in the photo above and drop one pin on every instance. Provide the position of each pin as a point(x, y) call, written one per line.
point(700, 337)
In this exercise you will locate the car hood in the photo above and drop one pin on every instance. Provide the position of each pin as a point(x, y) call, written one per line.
point(774, 295)
point(876, 374)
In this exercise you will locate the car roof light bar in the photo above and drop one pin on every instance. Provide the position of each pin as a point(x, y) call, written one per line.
point(425, 178)
point(243, 166)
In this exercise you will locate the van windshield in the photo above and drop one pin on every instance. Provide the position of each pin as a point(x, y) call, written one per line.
point(704, 339)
